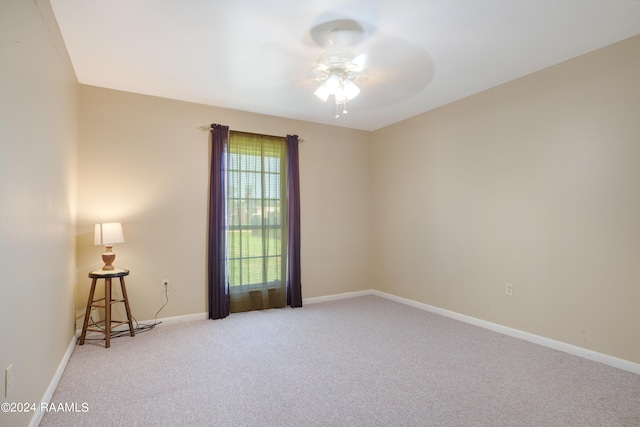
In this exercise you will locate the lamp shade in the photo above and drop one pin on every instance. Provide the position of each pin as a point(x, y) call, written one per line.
point(108, 234)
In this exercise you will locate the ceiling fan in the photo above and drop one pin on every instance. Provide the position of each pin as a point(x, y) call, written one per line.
point(356, 58)
point(340, 58)
point(338, 69)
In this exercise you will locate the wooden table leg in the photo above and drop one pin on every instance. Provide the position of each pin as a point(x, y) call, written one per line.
point(126, 306)
point(107, 312)
point(87, 314)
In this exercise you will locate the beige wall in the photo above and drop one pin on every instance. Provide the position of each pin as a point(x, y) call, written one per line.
point(535, 183)
point(144, 162)
point(38, 137)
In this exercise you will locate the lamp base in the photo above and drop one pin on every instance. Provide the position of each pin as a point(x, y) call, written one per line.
point(108, 257)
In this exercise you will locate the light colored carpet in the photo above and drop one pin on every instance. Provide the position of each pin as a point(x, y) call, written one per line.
point(363, 361)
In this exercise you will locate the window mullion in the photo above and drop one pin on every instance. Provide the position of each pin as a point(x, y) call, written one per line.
point(265, 231)
point(240, 222)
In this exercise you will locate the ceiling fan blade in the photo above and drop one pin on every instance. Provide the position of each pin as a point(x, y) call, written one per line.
point(273, 65)
point(395, 71)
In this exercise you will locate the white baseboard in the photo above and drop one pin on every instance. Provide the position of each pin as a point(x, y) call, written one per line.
point(168, 320)
point(335, 297)
point(536, 339)
point(181, 319)
point(48, 394)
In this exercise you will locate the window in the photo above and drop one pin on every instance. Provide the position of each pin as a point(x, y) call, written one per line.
point(256, 221)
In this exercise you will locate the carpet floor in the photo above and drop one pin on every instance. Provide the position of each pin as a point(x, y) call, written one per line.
point(363, 361)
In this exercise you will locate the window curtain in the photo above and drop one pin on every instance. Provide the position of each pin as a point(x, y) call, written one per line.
point(294, 280)
point(230, 201)
point(216, 259)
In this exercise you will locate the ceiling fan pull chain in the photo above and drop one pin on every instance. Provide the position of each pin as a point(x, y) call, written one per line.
point(344, 109)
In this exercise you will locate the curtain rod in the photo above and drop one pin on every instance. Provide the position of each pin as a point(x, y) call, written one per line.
point(208, 128)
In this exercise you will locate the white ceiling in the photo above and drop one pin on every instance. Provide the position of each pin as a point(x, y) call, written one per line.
point(256, 55)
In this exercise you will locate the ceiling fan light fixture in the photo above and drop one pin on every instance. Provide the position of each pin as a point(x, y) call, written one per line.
point(338, 68)
point(342, 89)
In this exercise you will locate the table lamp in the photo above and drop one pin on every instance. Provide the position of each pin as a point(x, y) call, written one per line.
point(108, 234)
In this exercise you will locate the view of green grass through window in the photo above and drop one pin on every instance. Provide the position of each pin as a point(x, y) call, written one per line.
point(248, 261)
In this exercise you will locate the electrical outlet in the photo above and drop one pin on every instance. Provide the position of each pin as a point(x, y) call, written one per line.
point(166, 285)
point(508, 290)
point(8, 380)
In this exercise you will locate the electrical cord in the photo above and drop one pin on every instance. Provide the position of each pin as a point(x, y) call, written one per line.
point(166, 296)
point(139, 327)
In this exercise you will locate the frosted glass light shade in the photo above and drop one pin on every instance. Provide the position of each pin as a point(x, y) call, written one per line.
point(322, 93)
point(351, 90)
